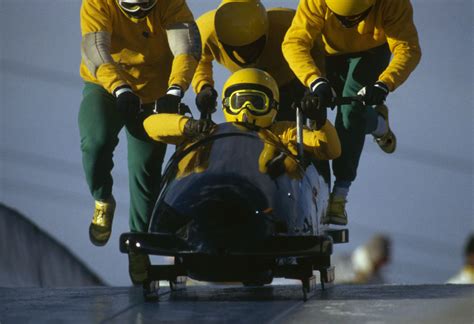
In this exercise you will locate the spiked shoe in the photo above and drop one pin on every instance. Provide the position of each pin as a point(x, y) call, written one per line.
point(101, 225)
point(387, 142)
point(336, 212)
point(138, 265)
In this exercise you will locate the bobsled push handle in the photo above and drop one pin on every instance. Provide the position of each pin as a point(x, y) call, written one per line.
point(348, 100)
point(300, 119)
point(299, 132)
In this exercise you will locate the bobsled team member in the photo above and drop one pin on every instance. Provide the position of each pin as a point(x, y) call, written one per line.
point(466, 274)
point(134, 53)
point(240, 34)
point(250, 96)
point(366, 263)
point(359, 38)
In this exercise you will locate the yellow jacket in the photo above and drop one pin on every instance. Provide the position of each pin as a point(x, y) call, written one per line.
point(322, 144)
point(139, 48)
point(271, 59)
point(389, 21)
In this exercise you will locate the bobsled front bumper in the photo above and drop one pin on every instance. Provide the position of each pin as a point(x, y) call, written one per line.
point(276, 246)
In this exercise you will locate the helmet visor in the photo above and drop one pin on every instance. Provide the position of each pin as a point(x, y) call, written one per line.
point(257, 102)
point(134, 7)
point(247, 54)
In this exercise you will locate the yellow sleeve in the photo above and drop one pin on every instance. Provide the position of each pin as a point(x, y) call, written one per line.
point(175, 11)
point(184, 65)
point(322, 144)
point(402, 37)
point(111, 76)
point(204, 73)
point(95, 17)
point(182, 70)
point(166, 128)
point(302, 35)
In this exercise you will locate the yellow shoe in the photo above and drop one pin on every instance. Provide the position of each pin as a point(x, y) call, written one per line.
point(101, 225)
point(387, 142)
point(336, 213)
point(138, 265)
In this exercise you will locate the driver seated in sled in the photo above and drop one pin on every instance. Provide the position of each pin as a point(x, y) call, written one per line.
point(250, 99)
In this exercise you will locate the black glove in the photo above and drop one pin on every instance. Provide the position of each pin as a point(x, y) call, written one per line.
point(374, 95)
point(128, 103)
point(323, 90)
point(312, 109)
point(169, 103)
point(206, 100)
point(194, 128)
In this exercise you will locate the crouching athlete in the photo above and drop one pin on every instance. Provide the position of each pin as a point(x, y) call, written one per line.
point(250, 97)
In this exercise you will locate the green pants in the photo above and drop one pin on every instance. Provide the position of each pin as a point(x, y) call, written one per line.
point(99, 126)
point(348, 74)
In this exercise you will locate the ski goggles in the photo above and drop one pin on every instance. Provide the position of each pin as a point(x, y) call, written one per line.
point(255, 101)
point(134, 6)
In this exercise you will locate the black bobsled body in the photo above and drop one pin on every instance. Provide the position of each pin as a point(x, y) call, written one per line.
point(238, 206)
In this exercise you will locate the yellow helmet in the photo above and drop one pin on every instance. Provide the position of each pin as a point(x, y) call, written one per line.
point(250, 96)
point(349, 8)
point(240, 22)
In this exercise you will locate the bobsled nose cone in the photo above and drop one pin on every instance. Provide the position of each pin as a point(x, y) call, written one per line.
point(225, 221)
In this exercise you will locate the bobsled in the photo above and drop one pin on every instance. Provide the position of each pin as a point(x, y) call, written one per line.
point(238, 206)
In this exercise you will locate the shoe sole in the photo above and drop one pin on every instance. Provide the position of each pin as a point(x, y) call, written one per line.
point(95, 241)
point(143, 276)
point(334, 220)
point(394, 140)
point(383, 111)
point(337, 221)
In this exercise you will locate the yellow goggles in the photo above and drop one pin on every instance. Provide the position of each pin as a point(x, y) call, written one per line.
point(254, 100)
point(134, 7)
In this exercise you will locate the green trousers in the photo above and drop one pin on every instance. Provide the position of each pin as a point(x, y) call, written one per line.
point(99, 126)
point(348, 74)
